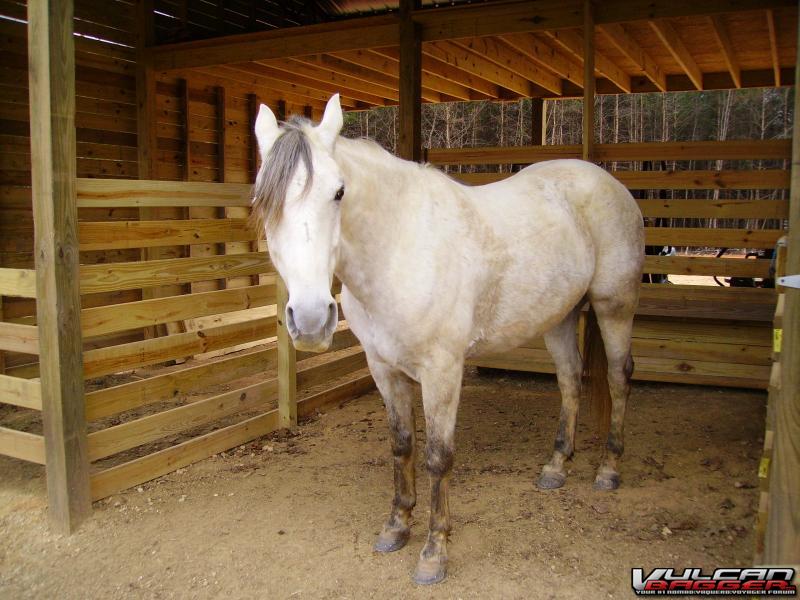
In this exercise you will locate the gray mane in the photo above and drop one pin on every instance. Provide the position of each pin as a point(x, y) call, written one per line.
point(269, 192)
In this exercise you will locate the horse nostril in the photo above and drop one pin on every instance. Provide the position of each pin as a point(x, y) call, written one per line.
point(290, 318)
point(332, 315)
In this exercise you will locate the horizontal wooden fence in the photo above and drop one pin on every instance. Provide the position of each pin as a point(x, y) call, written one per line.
point(211, 380)
point(683, 333)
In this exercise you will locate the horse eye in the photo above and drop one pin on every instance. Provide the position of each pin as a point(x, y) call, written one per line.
point(339, 194)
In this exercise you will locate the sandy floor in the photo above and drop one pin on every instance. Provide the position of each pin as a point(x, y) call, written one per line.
point(295, 517)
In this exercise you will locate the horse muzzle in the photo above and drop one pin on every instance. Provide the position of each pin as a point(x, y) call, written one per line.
point(311, 324)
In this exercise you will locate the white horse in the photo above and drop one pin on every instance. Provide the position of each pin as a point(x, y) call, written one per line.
point(434, 272)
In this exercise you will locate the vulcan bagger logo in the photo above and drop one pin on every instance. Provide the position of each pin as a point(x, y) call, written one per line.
point(722, 582)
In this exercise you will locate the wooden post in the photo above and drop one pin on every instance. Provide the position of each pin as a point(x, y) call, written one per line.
point(187, 145)
point(222, 129)
point(409, 144)
point(782, 545)
point(51, 59)
point(538, 126)
point(146, 129)
point(287, 363)
point(145, 91)
point(588, 80)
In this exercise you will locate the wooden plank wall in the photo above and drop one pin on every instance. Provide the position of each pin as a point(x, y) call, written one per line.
point(683, 333)
point(105, 133)
point(146, 414)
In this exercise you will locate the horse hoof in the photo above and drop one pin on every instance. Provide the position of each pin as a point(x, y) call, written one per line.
point(430, 571)
point(551, 480)
point(606, 482)
point(392, 540)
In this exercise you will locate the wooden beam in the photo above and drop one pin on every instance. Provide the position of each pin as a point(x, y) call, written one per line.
point(619, 36)
point(588, 81)
point(247, 79)
point(287, 363)
point(122, 193)
point(21, 392)
point(481, 89)
point(572, 42)
point(773, 46)
point(124, 357)
point(22, 445)
point(17, 282)
point(351, 70)
point(450, 22)
point(113, 318)
point(309, 67)
point(51, 57)
point(506, 56)
point(409, 144)
point(17, 337)
point(484, 68)
point(141, 274)
point(727, 150)
point(348, 34)
point(379, 63)
point(670, 38)
point(782, 544)
point(533, 47)
point(313, 78)
point(726, 47)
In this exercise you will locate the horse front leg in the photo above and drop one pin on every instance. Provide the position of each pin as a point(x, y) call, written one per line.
point(441, 388)
point(398, 397)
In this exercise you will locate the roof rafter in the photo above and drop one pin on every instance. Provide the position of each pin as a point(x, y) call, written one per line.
point(306, 67)
point(506, 56)
point(295, 94)
point(619, 36)
point(478, 65)
point(384, 64)
point(536, 49)
point(358, 72)
point(773, 47)
point(572, 42)
point(291, 76)
point(481, 89)
point(723, 38)
point(670, 38)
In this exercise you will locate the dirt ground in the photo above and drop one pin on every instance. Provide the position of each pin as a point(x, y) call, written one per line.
point(294, 516)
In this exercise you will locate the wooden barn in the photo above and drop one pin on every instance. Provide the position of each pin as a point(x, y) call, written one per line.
point(137, 304)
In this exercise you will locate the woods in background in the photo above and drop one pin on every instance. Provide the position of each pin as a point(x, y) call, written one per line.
point(761, 113)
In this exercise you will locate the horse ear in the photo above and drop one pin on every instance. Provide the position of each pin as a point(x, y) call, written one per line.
point(332, 122)
point(267, 130)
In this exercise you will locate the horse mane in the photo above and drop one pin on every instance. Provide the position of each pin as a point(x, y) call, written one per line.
point(277, 170)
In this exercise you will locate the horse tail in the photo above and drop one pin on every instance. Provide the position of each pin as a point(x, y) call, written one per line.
point(595, 373)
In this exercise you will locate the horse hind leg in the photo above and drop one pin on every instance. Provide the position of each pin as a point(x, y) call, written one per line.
point(615, 321)
point(398, 396)
point(562, 344)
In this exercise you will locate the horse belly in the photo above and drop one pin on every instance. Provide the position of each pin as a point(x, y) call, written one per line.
point(535, 293)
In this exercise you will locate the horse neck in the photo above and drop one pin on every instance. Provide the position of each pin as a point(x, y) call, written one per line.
point(373, 208)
